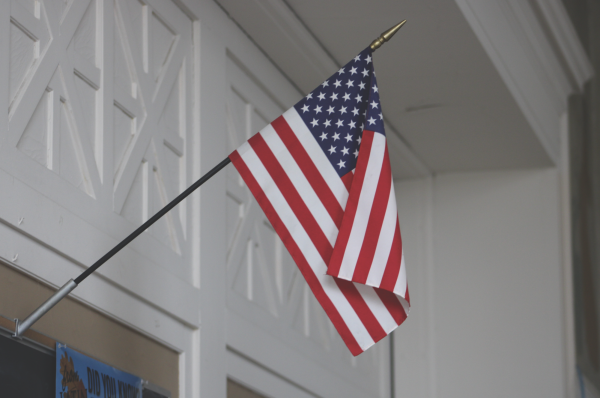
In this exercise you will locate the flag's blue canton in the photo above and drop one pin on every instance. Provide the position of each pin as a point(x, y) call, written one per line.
point(338, 111)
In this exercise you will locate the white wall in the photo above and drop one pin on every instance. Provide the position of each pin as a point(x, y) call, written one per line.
point(484, 268)
point(123, 105)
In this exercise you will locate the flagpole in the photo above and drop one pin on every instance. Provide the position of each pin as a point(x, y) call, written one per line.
point(21, 327)
point(152, 220)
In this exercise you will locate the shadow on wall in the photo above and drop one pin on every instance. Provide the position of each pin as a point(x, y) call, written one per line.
point(584, 143)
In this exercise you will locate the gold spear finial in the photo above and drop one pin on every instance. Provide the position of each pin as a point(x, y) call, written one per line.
point(386, 36)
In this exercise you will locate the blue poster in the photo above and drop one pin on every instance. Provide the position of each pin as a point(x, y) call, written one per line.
point(79, 376)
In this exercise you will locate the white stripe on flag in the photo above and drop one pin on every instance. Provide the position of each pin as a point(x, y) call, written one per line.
point(405, 305)
point(307, 248)
point(384, 243)
point(298, 179)
point(245, 147)
point(317, 155)
point(400, 288)
point(377, 307)
point(363, 210)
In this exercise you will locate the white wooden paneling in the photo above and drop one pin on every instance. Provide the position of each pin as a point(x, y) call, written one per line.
point(109, 166)
point(97, 135)
point(110, 113)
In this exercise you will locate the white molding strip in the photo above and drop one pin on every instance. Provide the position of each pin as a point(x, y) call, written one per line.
point(568, 310)
point(536, 51)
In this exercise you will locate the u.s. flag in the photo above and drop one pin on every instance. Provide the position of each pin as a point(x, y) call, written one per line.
point(321, 173)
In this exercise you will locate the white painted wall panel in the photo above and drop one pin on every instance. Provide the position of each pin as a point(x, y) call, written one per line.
point(112, 107)
point(497, 282)
point(90, 130)
point(97, 134)
point(487, 318)
point(413, 342)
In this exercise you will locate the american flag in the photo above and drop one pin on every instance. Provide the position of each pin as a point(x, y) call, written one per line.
point(321, 173)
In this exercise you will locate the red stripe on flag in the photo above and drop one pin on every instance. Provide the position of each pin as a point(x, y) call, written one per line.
point(296, 254)
point(359, 176)
point(312, 174)
point(292, 197)
point(392, 268)
point(393, 305)
point(347, 180)
point(361, 308)
point(378, 208)
point(406, 295)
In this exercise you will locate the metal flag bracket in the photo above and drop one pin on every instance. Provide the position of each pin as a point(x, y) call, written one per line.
point(21, 327)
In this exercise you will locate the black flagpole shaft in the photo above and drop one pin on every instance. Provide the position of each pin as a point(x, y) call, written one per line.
point(21, 327)
point(151, 221)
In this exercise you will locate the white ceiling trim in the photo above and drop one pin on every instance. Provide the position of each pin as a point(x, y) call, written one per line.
point(279, 21)
point(299, 37)
point(535, 49)
point(282, 22)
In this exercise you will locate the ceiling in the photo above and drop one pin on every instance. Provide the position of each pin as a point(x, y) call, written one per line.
point(440, 92)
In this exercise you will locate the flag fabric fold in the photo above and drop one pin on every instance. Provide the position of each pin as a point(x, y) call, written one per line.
point(321, 173)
